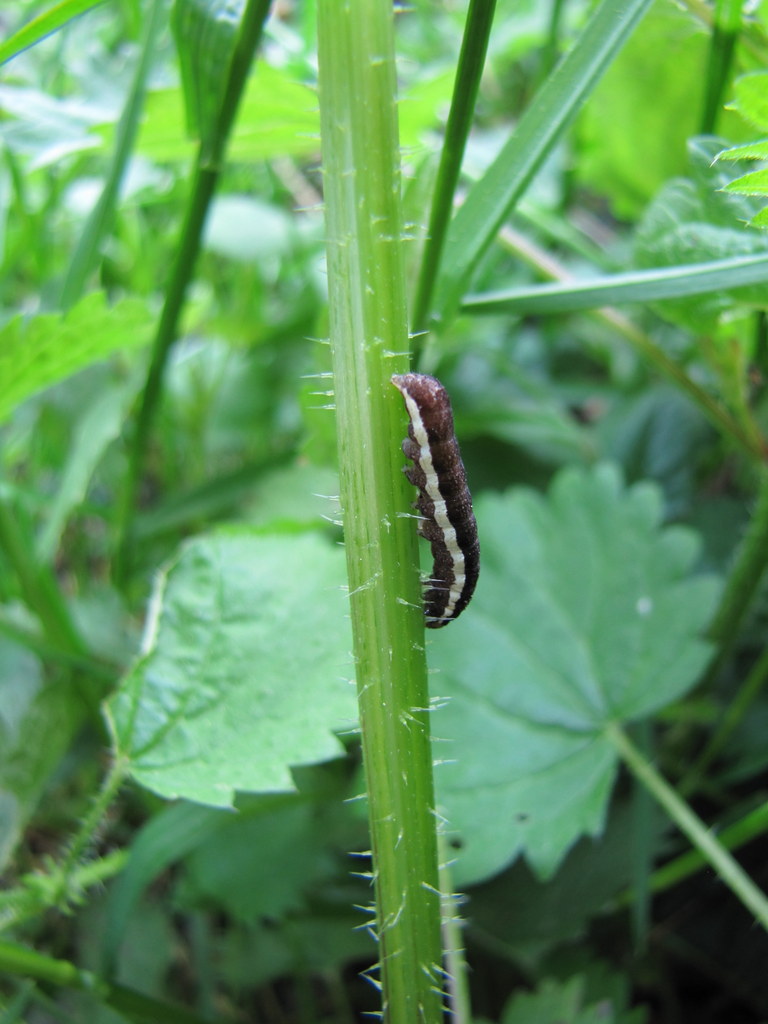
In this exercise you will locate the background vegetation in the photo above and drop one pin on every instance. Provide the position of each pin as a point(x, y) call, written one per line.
point(174, 634)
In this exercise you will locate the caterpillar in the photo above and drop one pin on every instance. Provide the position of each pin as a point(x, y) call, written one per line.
point(445, 504)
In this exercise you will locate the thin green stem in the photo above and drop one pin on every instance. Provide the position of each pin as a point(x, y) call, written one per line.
point(734, 714)
point(369, 342)
point(556, 103)
point(719, 859)
point(90, 825)
point(203, 185)
point(15, 959)
point(551, 52)
point(744, 578)
point(100, 219)
point(731, 838)
point(474, 47)
point(455, 960)
point(642, 843)
point(722, 46)
point(33, 896)
point(204, 181)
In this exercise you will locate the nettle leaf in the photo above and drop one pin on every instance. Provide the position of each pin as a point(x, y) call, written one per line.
point(750, 102)
point(571, 1002)
point(751, 98)
point(41, 350)
point(693, 220)
point(246, 672)
point(276, 116)
point(753, 184)
point(585, 614)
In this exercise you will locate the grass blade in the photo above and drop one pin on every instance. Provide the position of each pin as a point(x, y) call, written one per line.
point(541, 127)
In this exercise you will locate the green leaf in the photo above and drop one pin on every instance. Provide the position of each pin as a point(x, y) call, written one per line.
point(46, 22)
point(516, 404)
point(287, 830)
point(422, 107)
point(205, 33)
point(568, 1003)
point(749, 151)
point(300, 833)
point(751, 98)
point(551, 1001)
point(246, 670)
point(532, 918)
point(693, 220)
point(752, 104)
point(41, 350)
point(629, 144)
point(585, 614)
point(753, 184)
point(277, 116)
point(654, 436)
point(655, 285)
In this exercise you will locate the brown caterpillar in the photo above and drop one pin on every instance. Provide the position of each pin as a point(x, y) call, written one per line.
point(445, 503)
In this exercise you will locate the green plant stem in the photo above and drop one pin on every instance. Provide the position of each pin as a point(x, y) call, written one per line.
point(731, 719)
point(474, 47)
point(722, 46)
point(554, 107)
point(204, 180)
point(369, 341)
point(87, 252)
point(455, 961)
point(731, 838)
point(752, 35)
point(203, 186)
point(642, 843)
point(15, 959)
point(743, 580)
point(551, 52)
point(90, 825)
point(39, 587)
point(32, 897)
point(715, 854)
